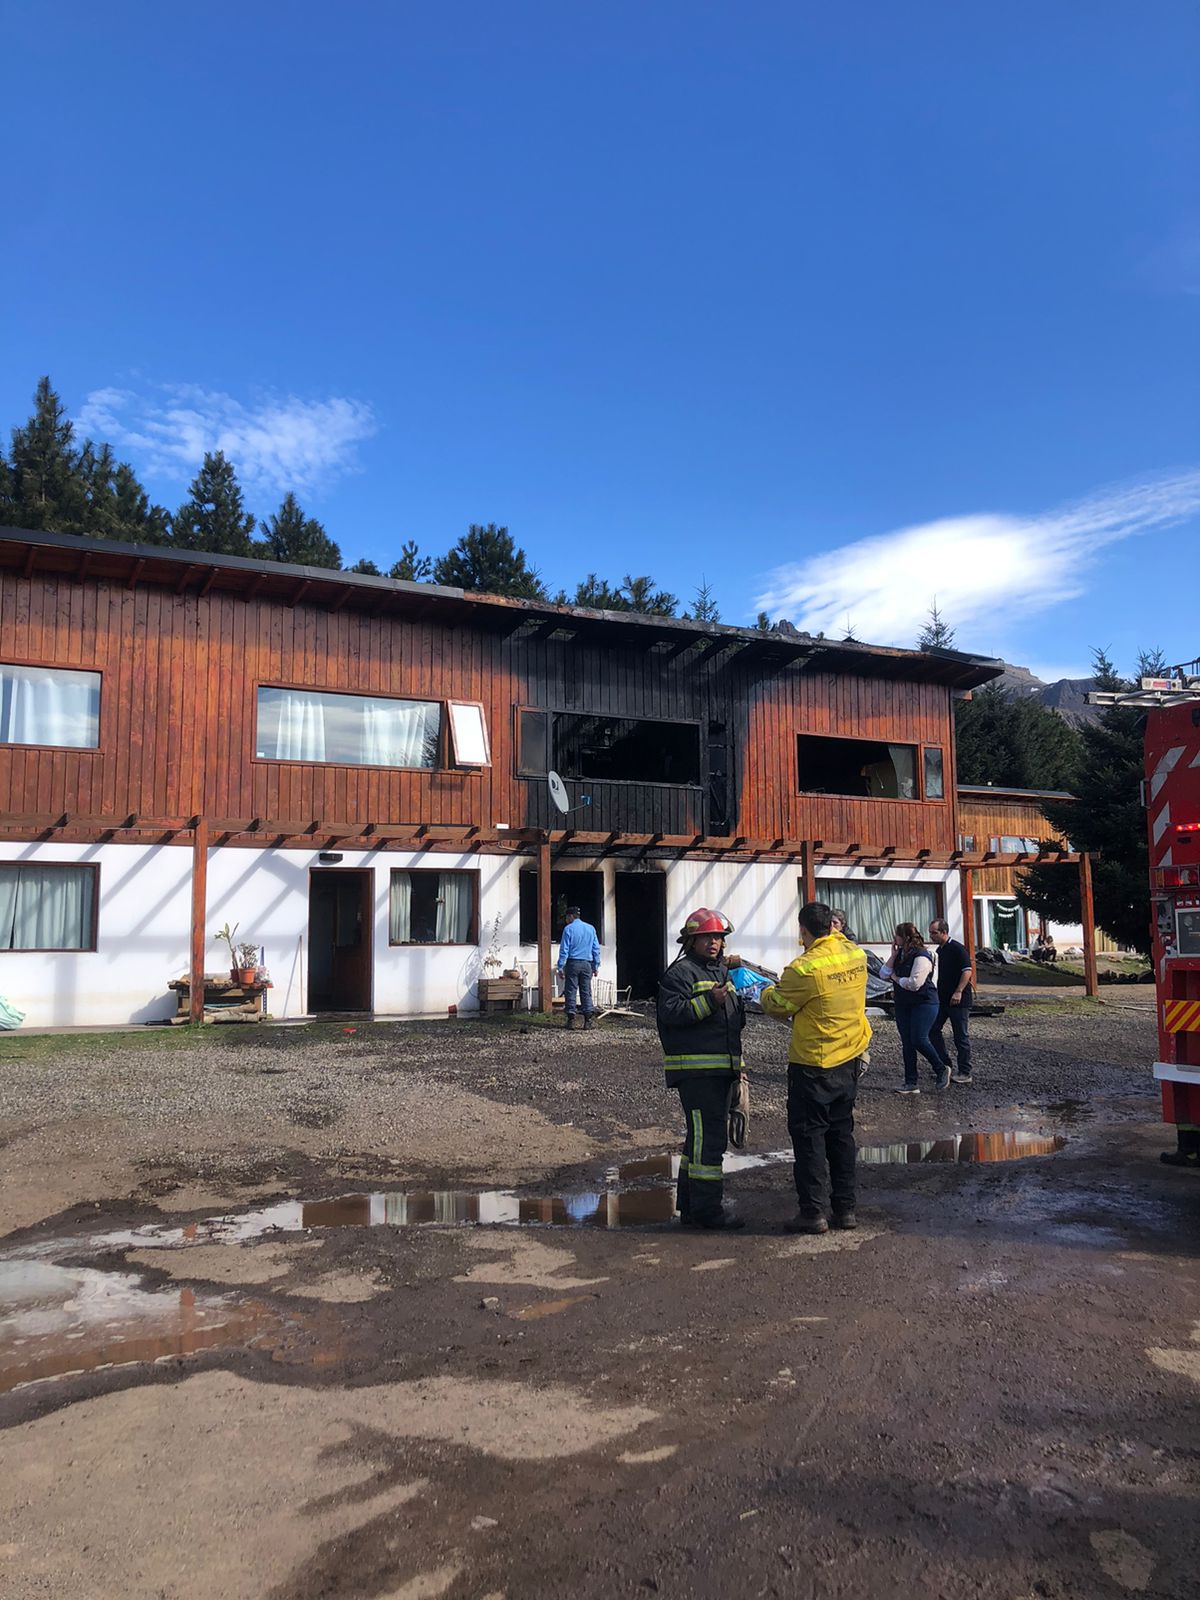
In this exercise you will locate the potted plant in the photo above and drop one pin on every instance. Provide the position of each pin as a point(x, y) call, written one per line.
point(493, 961)
point(243, 958)
point(247, 964)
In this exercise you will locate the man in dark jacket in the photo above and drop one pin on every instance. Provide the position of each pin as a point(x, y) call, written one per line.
point(700, 1021)
point(954, 974)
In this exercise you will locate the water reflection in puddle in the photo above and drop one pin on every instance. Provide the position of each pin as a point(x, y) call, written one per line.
point(60, 1320)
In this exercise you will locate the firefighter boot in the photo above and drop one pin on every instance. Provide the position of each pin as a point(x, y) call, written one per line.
point(1187, 1151)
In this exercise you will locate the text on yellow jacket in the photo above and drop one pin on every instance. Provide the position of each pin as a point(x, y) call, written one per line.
point(824, 991)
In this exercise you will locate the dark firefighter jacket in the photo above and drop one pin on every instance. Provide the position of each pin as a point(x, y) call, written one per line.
point(699, 1037)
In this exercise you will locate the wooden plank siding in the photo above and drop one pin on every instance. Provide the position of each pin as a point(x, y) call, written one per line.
point(180, 673)
point(996, 817)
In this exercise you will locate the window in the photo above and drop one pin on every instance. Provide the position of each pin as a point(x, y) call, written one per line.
point(1013, 844)
point(620, 749)
point(582, 889)
point(874, 909)
point(49, 705)
point(47, 907)
point(433, 907)
point(857, 767)
point(349, 729)
point(966, 841)
point(935, 783)
point(468, 734)
point(533, 743)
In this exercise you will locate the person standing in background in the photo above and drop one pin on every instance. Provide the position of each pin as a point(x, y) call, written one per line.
point(910, 967)
point(954, 992)
point(579, 962)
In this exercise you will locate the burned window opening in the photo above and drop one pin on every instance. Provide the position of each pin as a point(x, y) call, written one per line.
point(868, 768)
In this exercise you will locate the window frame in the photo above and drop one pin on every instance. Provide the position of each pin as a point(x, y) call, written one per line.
point(63, 666)
point(520, 771)
point(833, 885)
point(868, 799)
point(459, 763)
point(440, 765)
point(89, 949)
point(472, 939)
point(933, 799)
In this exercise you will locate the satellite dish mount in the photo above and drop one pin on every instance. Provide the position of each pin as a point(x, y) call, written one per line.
point(560, 796)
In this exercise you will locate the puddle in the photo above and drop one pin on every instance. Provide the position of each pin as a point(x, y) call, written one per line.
point(56, 1321)
point(965, 1148)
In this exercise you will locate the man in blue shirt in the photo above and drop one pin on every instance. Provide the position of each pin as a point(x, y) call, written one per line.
point(579, 962)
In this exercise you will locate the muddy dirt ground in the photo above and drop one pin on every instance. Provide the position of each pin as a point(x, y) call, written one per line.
point(288, 1314)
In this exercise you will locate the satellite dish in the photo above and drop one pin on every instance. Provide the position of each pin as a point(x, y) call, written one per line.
point(558, 791)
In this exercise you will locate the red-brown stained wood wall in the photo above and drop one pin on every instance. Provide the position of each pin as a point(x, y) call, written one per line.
point(178, 701)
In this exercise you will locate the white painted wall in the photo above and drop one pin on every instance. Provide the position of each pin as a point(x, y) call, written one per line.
point(143, 931)
point(145, 919)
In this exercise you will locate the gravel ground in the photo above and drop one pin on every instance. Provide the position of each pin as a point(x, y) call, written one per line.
point(986, 1392)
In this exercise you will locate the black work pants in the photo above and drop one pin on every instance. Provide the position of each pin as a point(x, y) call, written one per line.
point(701, 1185)
point(821, 1123)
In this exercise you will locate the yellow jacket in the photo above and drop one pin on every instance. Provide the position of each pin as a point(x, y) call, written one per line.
point(824, 991)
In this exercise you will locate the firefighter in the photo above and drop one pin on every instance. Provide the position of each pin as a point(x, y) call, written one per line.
point(700, 1021)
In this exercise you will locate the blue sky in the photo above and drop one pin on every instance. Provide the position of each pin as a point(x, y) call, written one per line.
point(843, 307)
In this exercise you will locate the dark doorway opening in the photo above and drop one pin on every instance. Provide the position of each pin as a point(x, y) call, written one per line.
point(641, 932)
point(339, 939)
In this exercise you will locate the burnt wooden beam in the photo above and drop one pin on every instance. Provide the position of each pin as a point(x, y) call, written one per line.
point(678, 649)
point(185, 577)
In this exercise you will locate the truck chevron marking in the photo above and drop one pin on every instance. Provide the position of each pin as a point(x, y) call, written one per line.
point(1182, 1016)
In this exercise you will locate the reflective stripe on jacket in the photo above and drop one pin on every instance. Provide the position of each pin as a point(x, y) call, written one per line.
point(824, 991)
point(698, 1036)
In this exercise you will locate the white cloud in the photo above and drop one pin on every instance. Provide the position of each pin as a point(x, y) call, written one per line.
point(978, 566)
point(279, 443)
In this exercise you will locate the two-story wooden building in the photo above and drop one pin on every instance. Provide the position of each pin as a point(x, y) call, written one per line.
point(354, 771)
point(1007, 822)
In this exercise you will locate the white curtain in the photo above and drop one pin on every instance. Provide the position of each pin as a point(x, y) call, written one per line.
point(454, 907)
point(398, 733)
point(874, 909)
point(400, 917)
point(46, 908)
point(300, 735)
point(42, 705)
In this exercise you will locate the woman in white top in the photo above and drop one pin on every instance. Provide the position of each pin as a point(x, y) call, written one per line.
point(910, 967)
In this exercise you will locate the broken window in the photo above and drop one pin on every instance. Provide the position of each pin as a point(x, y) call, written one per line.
point(582, 889)
point(533, 743)
point(626, 749)
point(862, 767)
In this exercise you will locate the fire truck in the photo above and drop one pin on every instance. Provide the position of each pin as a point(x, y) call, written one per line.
point(1171, 795)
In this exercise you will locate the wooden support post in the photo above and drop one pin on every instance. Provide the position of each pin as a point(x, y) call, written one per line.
point(1088, 918)
point(199, 918)
point(808, 876)
point(966, 886)
point(545, 990)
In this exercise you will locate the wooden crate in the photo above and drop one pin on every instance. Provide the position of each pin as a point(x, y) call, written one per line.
point(499, 994)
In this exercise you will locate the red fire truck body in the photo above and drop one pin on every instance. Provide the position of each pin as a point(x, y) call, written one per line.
point(1172, 795)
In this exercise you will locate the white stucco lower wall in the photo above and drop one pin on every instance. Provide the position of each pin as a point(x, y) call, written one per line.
point(142, 935)
point(144, 921)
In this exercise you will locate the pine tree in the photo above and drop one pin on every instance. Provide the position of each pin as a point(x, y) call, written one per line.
point(214, 516)
point(134, 517)
point(640, 595)
point(299, 540)
point(704, 607)
point(762, 622)
point(597, 595)
point(412, 567)
point(366, 567)
point(485, 559)
point(46, 488)
point(1108, 820)
point(935, 635)
point(1014, 743)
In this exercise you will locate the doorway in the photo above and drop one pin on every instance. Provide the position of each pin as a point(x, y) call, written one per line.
point(641, 905)
point(340, 918)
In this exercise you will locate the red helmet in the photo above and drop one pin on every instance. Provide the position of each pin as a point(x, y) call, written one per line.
point(705, 921)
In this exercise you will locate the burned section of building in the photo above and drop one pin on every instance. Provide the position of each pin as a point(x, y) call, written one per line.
point(351, 775)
